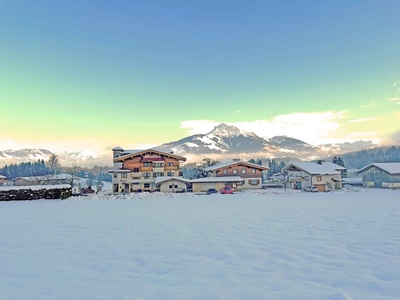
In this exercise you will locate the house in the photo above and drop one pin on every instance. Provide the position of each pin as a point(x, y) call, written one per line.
point(3, 179)
point(325, 176)
point(47, 180)
point(251, 174)
point(203, 184)
point(382, 175)
point(136, 170)
point(169, 184)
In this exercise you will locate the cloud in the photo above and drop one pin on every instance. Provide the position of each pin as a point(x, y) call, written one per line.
point(394, 138)
point(237, 111)
point(395, 84)
point(362, 120)
point(314, 128)
point(368, 104)
point(394, 99)
point(198, 126)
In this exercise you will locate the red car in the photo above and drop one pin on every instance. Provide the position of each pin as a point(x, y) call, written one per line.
point(227, 190)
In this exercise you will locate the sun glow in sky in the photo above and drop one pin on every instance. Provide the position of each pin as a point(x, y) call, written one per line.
point(95, 74)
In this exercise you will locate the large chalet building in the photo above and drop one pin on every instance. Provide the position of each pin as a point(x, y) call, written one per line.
point(136, 170)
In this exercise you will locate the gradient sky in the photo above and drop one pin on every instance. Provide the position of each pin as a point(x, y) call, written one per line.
point(82, 74)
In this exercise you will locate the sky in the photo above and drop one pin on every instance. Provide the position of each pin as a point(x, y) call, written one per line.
point(92, 75)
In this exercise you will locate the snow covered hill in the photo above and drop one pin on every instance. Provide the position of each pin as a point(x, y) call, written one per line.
point(227, 141)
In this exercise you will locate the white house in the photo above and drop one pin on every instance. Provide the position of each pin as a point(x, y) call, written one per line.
point(173, 184)
point(325, 176)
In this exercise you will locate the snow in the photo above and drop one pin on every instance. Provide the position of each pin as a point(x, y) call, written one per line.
point(315, 168)
point(264, 244)
point(391, 168)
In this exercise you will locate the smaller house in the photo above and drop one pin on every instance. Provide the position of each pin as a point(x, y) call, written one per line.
point(381, 175)
point(203, 184)
point(325, 176)
point(251, 174)
point(3, 180)
point(169, 184)
point(48, 180)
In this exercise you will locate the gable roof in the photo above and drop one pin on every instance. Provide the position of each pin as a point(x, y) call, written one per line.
point(333, 165)
point(391, 168)
point(313, 168)
point(148, 151)
point(168, 178)
point(233, 163)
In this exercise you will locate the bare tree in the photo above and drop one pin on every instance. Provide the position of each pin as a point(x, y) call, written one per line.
point(53, 164)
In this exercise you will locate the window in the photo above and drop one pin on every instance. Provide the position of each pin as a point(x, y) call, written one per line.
point(253, 171)
point(146, 164)
point(244, 170)
point(136, 170)
point(158, 174)
point(146, 175)
point(158, 165)
point(254, 181)
point(234, 171)
point(147, 185)
point(173, 186)
point(124, 175)
point(225, 171)
point(170, 173)
point(171, 164)
point(115, 175)
point(307, 178)
point(319, 178)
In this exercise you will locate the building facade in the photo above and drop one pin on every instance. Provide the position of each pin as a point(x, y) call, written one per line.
point(251, 174)
point(381, 175)
point(324, 176)
point(137, 170)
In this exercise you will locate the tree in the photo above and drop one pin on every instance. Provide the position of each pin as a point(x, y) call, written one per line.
point(53, 164)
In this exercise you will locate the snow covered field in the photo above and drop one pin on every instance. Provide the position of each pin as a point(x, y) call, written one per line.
point(260, 245)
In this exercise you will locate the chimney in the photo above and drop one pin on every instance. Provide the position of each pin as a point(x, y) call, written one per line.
point(236, 159)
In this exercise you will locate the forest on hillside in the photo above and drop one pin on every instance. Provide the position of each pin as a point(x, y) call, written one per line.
point(360, 159)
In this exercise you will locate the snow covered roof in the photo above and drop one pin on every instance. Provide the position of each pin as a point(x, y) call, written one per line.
point(167, 178)
point(3, 177)
point(45, 177)
point(218, 179)
point(314, 168)
point(117, 149)
point(332, 165)
point(232, 163)
point(391, 168)
point(128, 154)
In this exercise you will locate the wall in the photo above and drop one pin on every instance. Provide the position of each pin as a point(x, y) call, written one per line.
point(34, 194)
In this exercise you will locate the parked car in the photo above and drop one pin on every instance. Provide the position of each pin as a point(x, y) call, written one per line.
point(311, 189)
point(227, 190)
point(211, 191)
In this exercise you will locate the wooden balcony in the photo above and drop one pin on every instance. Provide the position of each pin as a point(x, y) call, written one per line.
point(171, 168)
point(147, 169)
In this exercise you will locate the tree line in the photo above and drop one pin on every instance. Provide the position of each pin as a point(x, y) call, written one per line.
point(51, 167)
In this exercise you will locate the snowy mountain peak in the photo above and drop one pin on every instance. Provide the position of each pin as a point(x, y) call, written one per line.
point(225, 130)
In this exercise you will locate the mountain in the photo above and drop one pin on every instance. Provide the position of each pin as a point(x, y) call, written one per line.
point(64, 157)
point(224, 142)
point(222, 139)
point(227, 141)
